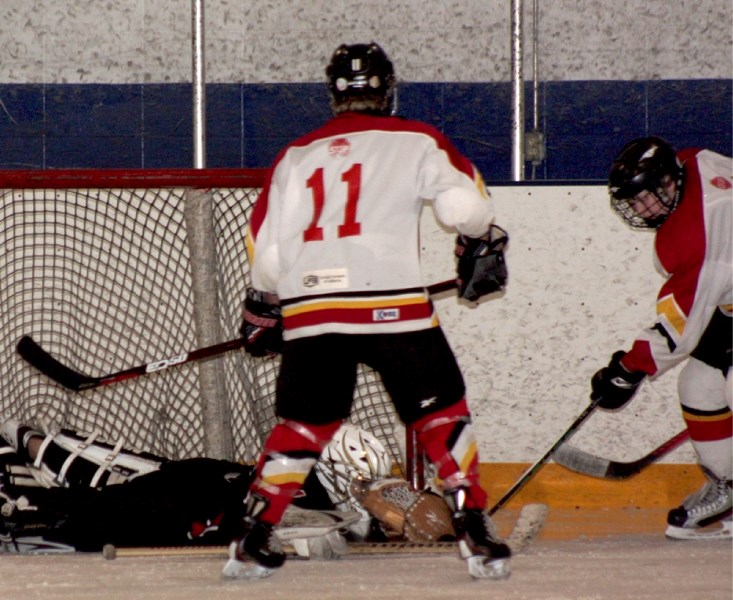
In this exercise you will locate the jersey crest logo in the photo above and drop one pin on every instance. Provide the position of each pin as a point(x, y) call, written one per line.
point(339, 147)
point(721, 183)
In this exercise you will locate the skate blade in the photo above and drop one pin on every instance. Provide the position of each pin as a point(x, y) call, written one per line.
point(723, 530)
point(481, 568)
point(236, 569)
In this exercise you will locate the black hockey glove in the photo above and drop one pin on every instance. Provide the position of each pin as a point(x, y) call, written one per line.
point(261, 325)
point(614, 385)
point(481, 265)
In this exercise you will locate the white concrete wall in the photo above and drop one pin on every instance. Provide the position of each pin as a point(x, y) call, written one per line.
point(254, 41)
point(582, 285)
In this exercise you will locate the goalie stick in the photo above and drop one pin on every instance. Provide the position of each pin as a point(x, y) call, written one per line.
point(531, 519)
point(529, 473)
point(111, 552)
point(71, 379)
point(583, 462)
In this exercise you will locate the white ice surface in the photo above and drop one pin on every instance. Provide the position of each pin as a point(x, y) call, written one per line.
point(633, 568)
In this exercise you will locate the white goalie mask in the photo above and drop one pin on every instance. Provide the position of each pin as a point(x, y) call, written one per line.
point(351, 453)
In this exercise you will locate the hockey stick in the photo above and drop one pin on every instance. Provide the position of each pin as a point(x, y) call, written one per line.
point(29, 349)
point(529, 473)
point(583, 462)
point(531, 519)
point(35, 355)
point(110, 552)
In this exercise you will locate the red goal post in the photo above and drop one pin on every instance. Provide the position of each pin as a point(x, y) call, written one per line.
point(108, 269)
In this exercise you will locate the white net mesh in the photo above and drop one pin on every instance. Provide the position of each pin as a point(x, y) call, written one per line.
point(96, 267)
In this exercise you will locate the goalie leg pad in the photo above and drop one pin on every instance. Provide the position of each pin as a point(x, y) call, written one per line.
point(13, 469)
point(303, 523)
point(79, 460)
point(325, 547)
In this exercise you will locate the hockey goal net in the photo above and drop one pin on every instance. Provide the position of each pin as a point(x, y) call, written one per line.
point(98, 267)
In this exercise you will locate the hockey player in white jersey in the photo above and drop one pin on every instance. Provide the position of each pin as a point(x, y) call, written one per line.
point(687, 198)
point(333, 238)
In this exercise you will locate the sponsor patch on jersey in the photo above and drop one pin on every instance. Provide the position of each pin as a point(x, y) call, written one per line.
point(339, 147)
point(386, 314)
point(326, 279)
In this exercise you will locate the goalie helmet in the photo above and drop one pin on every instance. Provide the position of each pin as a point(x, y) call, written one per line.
point(361, 78)
point(352, 453)
point(645, 165)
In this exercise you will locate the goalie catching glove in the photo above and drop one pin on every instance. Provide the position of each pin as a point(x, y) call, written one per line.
point(261, 324)
point(614, 385)
point(481, 266)
point(419, 516)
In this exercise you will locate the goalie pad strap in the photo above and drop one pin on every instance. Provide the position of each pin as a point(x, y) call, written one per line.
point(61, 451)
point(42, 450)
point(107, 463)
point(21, 476)
point(113, 458)
point(61, 475)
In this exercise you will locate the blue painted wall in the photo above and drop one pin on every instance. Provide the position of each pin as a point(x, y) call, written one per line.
point(49, 126)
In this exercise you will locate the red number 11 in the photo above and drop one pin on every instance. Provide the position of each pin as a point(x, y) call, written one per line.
point(350, 226)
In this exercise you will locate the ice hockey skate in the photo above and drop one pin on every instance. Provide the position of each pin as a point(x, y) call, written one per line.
point(705, 515)
point(487, 558)
point(256, 555)
point(478, 543)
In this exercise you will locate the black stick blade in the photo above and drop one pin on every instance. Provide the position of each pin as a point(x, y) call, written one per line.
point(36, 356)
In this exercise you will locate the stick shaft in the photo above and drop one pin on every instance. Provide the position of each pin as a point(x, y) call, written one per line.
point(111, 553)
point(619, 470)
point(529, 473)
point(34, 354)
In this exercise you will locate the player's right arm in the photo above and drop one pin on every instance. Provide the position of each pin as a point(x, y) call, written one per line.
point(454, 184)
point(461, 201)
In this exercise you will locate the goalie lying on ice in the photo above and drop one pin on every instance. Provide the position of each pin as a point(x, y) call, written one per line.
point(64, 492)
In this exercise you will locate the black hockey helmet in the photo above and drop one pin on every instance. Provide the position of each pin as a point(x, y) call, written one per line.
point(361, 78)
point(645, 164)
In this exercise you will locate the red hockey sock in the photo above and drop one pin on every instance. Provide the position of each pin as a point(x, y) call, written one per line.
point(291, 450)
point(708, 425)
point(448, 440)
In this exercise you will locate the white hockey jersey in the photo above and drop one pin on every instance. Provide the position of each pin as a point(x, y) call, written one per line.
point(334, 231)
point(694, 252)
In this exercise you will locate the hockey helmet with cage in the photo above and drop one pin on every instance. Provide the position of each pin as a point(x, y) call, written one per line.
point(645, 164)
point(361, 78)
point(352, 453)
